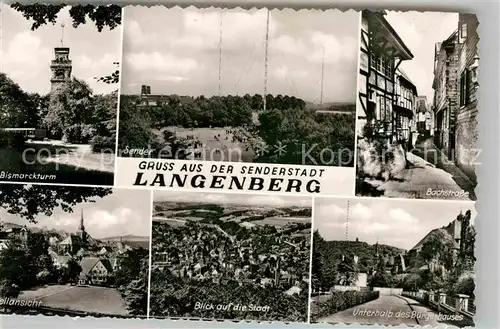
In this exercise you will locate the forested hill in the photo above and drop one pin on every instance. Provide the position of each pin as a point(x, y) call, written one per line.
point(363, 250)
point(228, 211)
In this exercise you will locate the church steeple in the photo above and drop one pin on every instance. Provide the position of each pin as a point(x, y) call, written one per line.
point(81, 227)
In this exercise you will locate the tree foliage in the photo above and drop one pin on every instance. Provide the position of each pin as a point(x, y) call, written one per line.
point(69, 113)
point(132, 278)
point(15, 104)
point(113, 77)
point(28, 201)
point(327, 138)
point(41, 14)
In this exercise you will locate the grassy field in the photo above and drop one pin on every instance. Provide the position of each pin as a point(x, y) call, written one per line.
point(215, 139)
point(170, 221)
point(79, 298)
point(281, 221)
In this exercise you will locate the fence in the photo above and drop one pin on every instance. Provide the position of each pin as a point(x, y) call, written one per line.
point(459, 304)
point(323, 304)
point(388, 291)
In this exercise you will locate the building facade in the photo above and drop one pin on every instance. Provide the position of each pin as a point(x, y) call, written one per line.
point(424, 118)
point(147, 99)
point(455, 103)
point(379, 112)
point(466, 123)
point(405, 105)
point(445, 85)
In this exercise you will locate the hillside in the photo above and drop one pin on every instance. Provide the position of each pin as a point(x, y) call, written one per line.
point(6, 226)
point(362, 249)
point(332, 252)
point(236, 219)
point(231, 212)
point(438, 234)
point(131, 240)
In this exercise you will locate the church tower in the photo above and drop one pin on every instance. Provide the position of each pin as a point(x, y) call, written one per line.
point(81, 229)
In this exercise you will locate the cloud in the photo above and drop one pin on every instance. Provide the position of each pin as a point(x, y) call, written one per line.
point(23, 57)
point(166, 55)
point(106, 220)
point(393, 222)
point(420, 32)
point(360, 212)
point(27, 54)
point(164, 63)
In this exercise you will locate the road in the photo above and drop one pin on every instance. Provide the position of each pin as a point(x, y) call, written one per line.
point(79, 298)
point(415, 182)
point(79, 156)
point(387, 310)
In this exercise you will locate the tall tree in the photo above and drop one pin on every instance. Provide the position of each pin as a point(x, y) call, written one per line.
point(13, 103)
point(135, 292)
point(71, 111)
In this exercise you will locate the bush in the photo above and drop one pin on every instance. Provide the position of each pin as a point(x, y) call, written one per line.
point(14, 140)
point(379, 160)
point(79, 133)
point(9, 289)
point(102, 143)
point(43, 276)
point(342, 300)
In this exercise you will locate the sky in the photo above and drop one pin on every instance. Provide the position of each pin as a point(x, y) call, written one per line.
point(123, 212)
point(398, 223)
point(420, 32)
point(176, 51)
point(234, 198)
point(26, 54)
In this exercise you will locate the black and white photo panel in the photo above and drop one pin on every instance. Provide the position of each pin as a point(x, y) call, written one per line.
point(417, 106)
point(230, 256)
point(279, 102)
point(59, 98)
point(393, 262)
point(74, 251)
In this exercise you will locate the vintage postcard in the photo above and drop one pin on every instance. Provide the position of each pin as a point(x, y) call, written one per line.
point(278, 103)
point(243, 165)
point(59, 94)
point(236, 257)
point(74, 251)
point(393, 262)
point(417, 110)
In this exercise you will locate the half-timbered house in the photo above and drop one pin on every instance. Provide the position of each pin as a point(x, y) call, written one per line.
point(380, 114)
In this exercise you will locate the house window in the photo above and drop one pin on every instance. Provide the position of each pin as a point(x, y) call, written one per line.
point(464, 88)
point(388, 68)
point(373, 61)
point(380, 64)
point(463, 31)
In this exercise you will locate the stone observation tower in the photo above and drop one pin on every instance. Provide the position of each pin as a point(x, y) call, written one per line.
point(60, 67)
